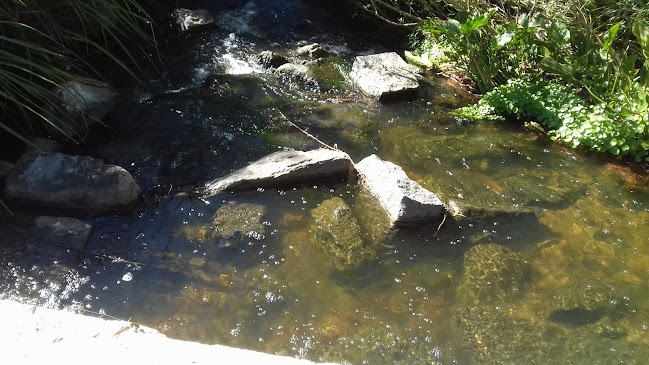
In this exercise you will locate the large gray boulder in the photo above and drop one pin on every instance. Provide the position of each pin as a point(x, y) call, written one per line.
point(404, 199)
point(285, 168)
point(193, 20)
point(69, 232)
point(71, 182)
point(385, 75)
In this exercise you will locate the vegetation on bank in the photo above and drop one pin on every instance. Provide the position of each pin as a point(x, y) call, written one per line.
point(578, 67)
point(45, 43)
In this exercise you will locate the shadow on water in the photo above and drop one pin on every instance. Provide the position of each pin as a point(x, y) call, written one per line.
point(546, 262)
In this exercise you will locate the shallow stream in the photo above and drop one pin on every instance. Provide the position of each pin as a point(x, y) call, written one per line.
point(549, 264)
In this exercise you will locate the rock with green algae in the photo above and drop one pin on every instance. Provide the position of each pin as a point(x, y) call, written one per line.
point(493, 274)
point(494, 336)
point(581, 302)
point(335, 230)
point(236, 220)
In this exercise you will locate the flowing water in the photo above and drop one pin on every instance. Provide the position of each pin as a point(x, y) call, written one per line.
point(548, 264)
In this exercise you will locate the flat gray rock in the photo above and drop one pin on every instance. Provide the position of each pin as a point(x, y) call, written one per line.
point(71, 182)
point(295, 72)
point(313, 50)
point(69, 232)
point(385, 75)
point(285, 168)
point(404, 199)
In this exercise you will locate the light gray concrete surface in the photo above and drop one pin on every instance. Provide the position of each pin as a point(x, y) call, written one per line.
point(34, 335)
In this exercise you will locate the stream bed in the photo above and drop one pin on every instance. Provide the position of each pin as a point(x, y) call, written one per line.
point(549, 264)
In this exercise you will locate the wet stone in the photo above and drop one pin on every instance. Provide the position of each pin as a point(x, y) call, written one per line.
point(493, 275)
point(294, 72)
point(69, 232)
point(270, 59)
point(313, 50)
point(92, 97)
point(335, 230)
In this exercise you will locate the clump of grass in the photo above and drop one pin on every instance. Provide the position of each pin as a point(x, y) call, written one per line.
point(45, 43)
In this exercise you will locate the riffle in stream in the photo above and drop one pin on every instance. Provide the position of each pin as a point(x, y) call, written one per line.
point(548, 265)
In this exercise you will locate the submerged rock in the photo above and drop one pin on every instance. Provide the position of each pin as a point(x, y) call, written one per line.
point(582, 302)
point(193, 20)
point(71, 182)
point(285, 168)
point(493, 275)
point(270, 59)
point(69, 232)
point(385, 75)
point(494, 336)
point(404, 199)
point(335, 230)
point(234, 221)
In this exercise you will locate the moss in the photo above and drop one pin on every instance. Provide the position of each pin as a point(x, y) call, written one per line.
point(493, 274)
point(335, 230)
point(496, 337)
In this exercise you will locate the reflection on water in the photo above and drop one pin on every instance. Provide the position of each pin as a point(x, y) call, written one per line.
point(548, 263)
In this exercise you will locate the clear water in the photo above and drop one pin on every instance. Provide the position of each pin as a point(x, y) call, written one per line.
point(548, 265)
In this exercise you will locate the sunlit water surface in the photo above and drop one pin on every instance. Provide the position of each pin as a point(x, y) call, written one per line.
point(549, 264)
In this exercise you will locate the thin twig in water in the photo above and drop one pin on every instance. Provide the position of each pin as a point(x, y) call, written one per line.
point(285, 118)
point(441, 224)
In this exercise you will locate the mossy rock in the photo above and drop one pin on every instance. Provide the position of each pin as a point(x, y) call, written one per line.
point(335, 230)
point(493, 274)
point(234, 221)
point(495, 336)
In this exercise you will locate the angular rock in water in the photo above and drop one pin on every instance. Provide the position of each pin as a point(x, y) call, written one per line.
point(295, 72)
point(71, 182)
point(285, 168)
point(385, 75)
point(69, 232)
point(493, 275)
point(193, 20)
point(404, 199)
point(313, 50)
point(336, 231)
point(270, 59)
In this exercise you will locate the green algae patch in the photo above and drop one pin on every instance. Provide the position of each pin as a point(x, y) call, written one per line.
point(494, 336)
point(493, 275)
point(238, 219)
point(335, 230)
